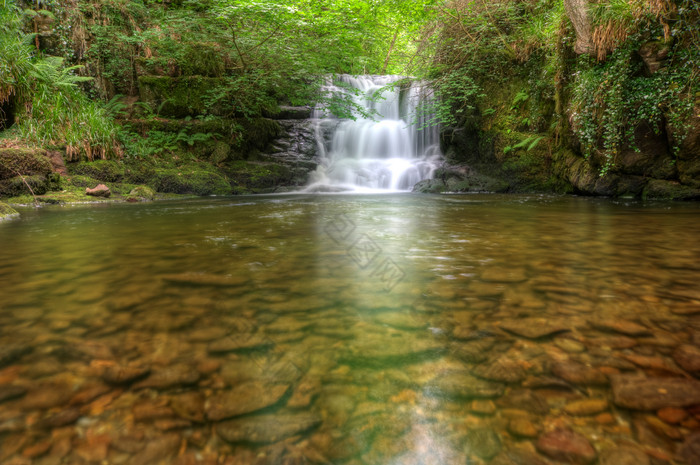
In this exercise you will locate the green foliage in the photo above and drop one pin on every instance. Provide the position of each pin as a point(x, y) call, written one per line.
point(158, 143)
point(528, 144)
point(612, 98)
point(54, 111)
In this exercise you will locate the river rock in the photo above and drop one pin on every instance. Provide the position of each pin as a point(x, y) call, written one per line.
point(483, 407)
point(484, 443)
point(396, 347)
point(402, 320)
point(245, 398)
point(268, 428)
point(474, 351)
point(502, 369)
point(626, 327)
point(516, 456)
point(207, 334)
point(157, 450)
point(189, 405)
point(117, 374)
point(672, 415)
point(239, 341)
point(688, 357)
point(547, 382)
point(611, 341)
point(305, 390)
point(566, 446)
point(11, 391)
point(463, 385)
point(623, 455)
point(578, 373)
point(206, 279)
point(586, 407)
point(151, 409)
point(62, 418)
point(46, 396)
point(525, 399)
point(690, 450)
point(89, 392)
point(569, 345)
point(534, 328)
point(522, 427)
point(10, 353)
point(640, 393)
point(98, 191)
point(169, 377)
point(506, 275)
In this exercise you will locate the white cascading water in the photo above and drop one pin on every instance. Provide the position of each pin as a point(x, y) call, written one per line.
point(389, 152)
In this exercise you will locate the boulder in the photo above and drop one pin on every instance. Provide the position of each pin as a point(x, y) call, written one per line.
point(98, 191)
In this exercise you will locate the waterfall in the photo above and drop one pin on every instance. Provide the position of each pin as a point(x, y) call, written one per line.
point(390, 151)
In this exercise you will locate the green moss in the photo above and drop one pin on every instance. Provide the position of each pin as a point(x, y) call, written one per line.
point(189, 180)
point(669, 190)
point(138, 172)
point(81, 181)
point(7, 212)
point(141, 193)
point(103, 170)
point(23, 161)
point(254, 176)
point(121, 188)
point(18, 185)
point(220, 153)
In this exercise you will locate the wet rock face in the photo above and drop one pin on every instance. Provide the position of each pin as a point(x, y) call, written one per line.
point(295, 146)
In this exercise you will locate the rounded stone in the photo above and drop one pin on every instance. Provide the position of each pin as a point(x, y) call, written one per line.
point(566, 446)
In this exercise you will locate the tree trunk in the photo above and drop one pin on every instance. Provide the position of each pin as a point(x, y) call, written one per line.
point(577, 11)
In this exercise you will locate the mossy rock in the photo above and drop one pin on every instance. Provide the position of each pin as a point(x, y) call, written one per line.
point(220, 153)
point(103, 170)
point(189, 181)
point(17, 186)
point(7, 212)
point(258, 175)
point(138, 172)
point(141, 193)
point(23, 161)
point(81, 181)
point(669, 190)
point(121, 188)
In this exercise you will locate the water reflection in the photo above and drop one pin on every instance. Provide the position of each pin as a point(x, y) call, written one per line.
point(349, 329)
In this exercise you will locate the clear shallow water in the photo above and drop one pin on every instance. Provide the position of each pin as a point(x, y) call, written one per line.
point(389, 329)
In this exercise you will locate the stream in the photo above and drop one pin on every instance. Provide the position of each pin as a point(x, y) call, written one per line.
point(352, 329)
